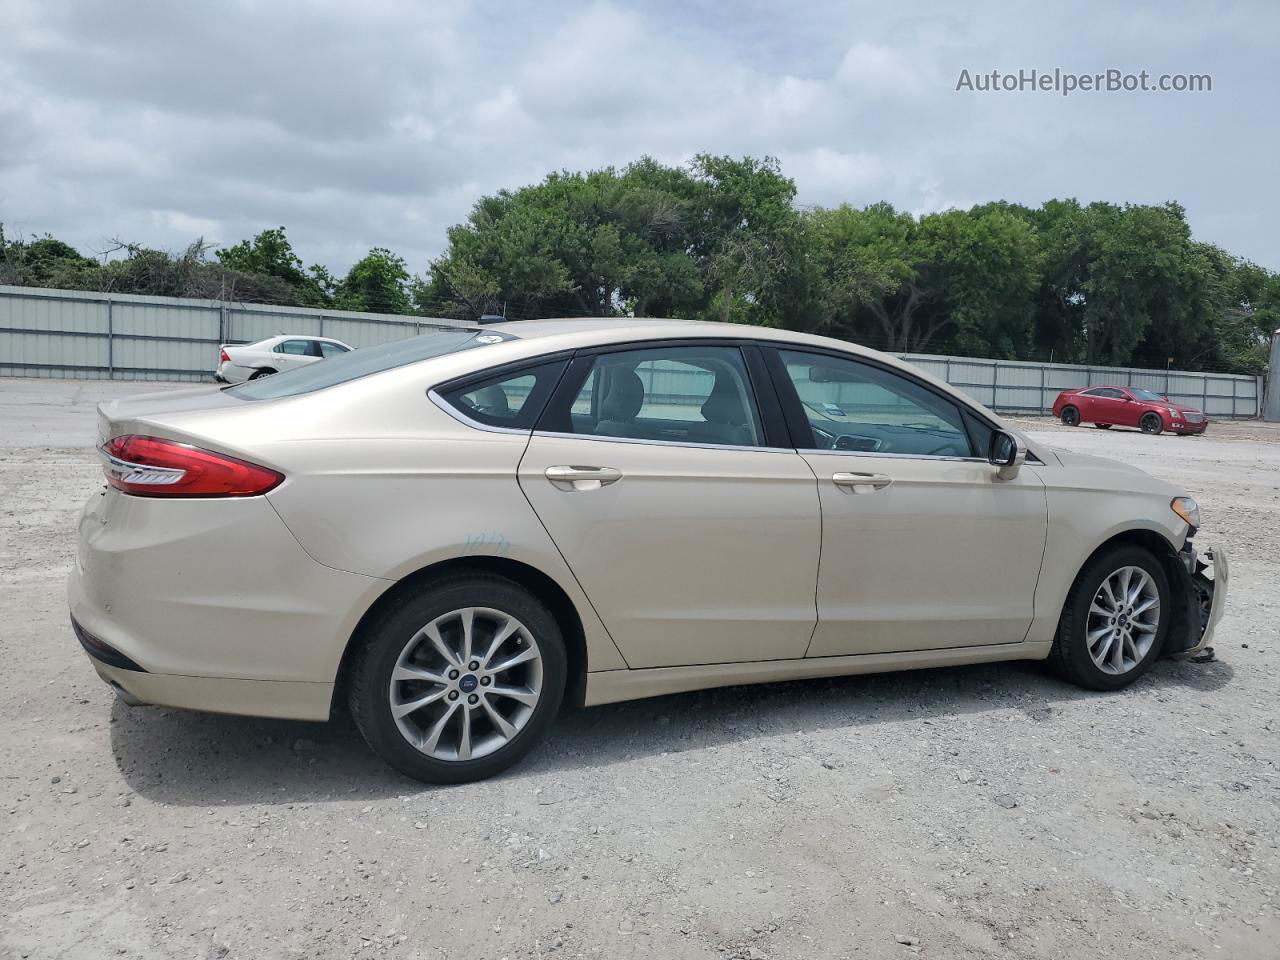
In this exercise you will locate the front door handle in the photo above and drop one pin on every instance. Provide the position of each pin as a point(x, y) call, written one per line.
point(861, 482)
point(582, 478)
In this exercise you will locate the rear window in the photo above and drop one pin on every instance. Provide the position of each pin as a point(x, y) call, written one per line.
point(362, 363)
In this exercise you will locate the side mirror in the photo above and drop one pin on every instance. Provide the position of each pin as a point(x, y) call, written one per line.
point(1008, 453)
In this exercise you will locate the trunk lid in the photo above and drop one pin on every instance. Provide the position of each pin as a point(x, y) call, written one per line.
point(146, 412)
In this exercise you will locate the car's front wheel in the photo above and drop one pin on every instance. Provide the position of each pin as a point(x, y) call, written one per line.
point(1151, 423)
point(1115, 620)
point(460, 681)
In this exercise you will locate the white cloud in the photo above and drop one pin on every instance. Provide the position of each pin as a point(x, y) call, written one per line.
point(381, 123)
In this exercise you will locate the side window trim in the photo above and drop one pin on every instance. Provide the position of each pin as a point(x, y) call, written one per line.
point(799, 425)
point(555, 418)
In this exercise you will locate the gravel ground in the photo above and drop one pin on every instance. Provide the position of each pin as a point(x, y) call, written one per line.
point(976, 812)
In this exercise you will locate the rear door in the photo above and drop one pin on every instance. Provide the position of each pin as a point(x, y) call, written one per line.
point(663, 475)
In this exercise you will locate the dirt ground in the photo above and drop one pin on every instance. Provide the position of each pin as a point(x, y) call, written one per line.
point(977, 812)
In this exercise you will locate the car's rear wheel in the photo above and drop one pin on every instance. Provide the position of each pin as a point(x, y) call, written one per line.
point(460, 681)
point(1103, 426)
point(1151, 423)
point(1070, 416)
point(1115, 620)
point(259, 374)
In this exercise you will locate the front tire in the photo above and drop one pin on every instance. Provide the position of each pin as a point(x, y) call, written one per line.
point(1070, 416)
point(1115, 620)
point(458, 682)
point(1151, 423)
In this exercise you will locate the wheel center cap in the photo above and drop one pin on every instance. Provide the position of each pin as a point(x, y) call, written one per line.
point(1124, 618)
point(468, 683)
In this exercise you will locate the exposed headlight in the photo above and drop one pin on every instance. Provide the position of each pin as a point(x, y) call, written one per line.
point(1187, 509)
point(1173, 413)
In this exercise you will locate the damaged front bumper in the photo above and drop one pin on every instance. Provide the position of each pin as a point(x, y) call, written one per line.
point(1202, 599)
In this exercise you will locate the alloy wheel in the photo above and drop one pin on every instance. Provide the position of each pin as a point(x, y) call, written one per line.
point(1124, 618)
point(1151, 423)
point(466, 684)
point(1071, 416)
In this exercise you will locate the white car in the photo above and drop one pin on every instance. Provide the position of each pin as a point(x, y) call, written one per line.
point(249, 361)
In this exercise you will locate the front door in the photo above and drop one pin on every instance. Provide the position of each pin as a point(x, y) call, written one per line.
point(1110, 405)
point(693, 536)
point(292, 353)
point(923, 547)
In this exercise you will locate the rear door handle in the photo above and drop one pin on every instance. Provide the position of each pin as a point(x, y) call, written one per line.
point(582, 478)
point(861, 482)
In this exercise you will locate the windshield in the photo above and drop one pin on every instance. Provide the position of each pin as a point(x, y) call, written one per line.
point(362, 363)
point(1147, 395)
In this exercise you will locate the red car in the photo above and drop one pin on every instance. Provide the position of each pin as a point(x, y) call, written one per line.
point(1127, 407)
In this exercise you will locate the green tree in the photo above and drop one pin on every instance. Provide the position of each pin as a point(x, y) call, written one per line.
point(968, 277)
point(270, 254)
point(379, 283)
point(600, 243)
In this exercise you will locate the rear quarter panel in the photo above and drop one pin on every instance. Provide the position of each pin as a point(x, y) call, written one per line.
point(397, 485)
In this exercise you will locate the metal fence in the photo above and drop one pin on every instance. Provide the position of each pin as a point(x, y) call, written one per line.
point(86, 335)
point(74, 334)
point(1016, 386)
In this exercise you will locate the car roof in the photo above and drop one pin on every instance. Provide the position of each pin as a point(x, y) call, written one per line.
point(588, 331)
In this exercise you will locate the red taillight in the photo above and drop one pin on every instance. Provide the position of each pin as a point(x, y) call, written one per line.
point(151, 467)
point(224, 357)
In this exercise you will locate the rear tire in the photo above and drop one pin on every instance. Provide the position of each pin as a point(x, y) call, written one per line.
point(466, 697)
point(1151, 423)
point(259, 374)
point(1070, 416)
point(1106, 649)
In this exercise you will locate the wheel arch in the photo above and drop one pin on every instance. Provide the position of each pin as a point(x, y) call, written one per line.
point(532, 579)
point(1185, 623)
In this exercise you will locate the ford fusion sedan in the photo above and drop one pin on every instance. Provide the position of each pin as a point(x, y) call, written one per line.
point(1107, 407)
point(250, 361)
point(456, 534)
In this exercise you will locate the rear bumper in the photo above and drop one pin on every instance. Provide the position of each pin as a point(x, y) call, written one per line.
point(290, 700)
point(232, 373)
point(212, 603)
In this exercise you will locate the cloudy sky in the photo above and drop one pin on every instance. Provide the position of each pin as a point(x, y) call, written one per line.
point(374, 122)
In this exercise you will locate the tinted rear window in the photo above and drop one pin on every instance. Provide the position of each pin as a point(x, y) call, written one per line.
point(363, 363)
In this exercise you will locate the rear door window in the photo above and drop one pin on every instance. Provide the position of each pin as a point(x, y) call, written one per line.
point(681, 394)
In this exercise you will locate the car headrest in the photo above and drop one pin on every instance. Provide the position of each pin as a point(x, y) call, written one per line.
point(724, 405)
point(625, 397)
point(493, 401)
